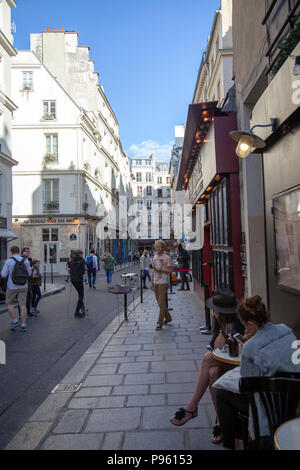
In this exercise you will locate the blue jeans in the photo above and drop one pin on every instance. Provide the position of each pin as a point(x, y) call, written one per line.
point(109, 273)
point(92, 277)
point(36, 296)
point(148, 275)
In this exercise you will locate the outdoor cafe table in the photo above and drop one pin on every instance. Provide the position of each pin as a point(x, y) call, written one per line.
point(287, 436)
point(223, 356)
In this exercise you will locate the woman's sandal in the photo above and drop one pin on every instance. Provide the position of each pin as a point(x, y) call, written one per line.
point(183, 416)
point(216, 436)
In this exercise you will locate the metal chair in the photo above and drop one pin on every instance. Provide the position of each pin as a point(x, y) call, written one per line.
point(280, 397)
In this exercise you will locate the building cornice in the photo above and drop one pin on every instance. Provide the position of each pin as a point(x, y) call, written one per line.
point(107, 103)
point(11, 3)
point(7, 45)
point(8, 103)
point(6, 159)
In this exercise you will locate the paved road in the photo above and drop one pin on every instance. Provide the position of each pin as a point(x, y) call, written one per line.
point(38, 359)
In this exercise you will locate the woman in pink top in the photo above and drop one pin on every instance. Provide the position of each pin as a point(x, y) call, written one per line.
point(162, 268)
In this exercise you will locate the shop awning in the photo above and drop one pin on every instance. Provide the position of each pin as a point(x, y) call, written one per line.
point(7, 234)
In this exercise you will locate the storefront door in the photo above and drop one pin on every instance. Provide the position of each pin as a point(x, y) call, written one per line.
point(50, 248)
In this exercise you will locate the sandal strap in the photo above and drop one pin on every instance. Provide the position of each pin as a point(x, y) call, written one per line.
point(181, 412)
point(216, 431)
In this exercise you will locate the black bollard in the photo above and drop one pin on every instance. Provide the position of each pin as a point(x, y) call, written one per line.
point(141, 286)
point(125, 307)
point(45, 278)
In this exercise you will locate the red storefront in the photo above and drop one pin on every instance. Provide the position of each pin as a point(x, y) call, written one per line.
point(209, 172)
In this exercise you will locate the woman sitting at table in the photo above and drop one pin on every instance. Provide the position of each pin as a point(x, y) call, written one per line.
point(224, 304)
point(266, 352)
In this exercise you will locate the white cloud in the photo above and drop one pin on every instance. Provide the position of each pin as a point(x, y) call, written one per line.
point(146, 148)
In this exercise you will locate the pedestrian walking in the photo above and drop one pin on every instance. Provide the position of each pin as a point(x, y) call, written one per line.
point(26, 254)
point(77, 271)
point(162, 268)
point(18, 271)
point(109, 265)
point(92, 267)
point(183, 266)
point(144, 265)
point(36, 282)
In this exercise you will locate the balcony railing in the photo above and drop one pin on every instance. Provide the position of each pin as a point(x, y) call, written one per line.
point(52, 206)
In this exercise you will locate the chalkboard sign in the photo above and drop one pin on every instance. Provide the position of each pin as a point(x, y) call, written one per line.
point(73, 237)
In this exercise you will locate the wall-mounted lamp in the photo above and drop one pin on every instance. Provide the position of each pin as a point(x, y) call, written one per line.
point(248, 141)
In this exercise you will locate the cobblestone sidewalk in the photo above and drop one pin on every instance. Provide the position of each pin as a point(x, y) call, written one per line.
point(133, 379)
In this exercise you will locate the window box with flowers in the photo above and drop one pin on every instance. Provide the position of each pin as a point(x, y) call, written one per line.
point(50, 158)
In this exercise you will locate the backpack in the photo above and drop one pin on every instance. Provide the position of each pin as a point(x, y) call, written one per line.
point(19, 275)
point(89, 262)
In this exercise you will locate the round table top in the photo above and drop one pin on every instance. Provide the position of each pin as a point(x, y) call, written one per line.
point(223, 356)
point(287, 436)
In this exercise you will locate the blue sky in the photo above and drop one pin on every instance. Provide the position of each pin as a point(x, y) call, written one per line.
point(147, 53)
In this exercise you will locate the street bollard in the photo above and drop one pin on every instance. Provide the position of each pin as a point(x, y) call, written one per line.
point(125, 307)
point(51, 273)
point(45, 278)
point(141, 286)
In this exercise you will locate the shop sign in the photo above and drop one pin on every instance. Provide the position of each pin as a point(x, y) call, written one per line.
point(51, 221)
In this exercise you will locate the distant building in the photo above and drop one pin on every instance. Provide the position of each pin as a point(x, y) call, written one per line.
point(7, 107)
point(152, 199)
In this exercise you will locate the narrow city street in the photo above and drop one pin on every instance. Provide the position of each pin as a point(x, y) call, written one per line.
point(38, 359)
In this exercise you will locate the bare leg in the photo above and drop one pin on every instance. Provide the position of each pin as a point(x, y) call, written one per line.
point(201, 385)
point(23, 314)
point(12, 311)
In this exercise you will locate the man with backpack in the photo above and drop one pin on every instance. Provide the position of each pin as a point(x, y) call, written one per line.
point(18, 271)
point(92, 266)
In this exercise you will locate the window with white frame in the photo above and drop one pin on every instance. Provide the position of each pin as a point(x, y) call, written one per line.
point(149, 205)
point(27, 81)
point(49, 110)
point(138, 177)
point(149, 190)
point(51, 148)
point(139, 205)
point(140, 190)
point(148, 177)
point(159, 180)
point(51, 195)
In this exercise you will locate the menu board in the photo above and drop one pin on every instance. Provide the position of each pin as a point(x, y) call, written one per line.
point(286, 212)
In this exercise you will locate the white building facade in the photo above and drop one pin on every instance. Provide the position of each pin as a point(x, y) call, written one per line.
point(151, 189)
point(7, 107)
point(71, 159)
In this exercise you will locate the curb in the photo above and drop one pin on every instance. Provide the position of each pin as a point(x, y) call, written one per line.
point(32, 435)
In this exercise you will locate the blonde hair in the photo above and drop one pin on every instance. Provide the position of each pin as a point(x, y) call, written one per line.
point(106, 254)
point(160, 242)
point(145, 252)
